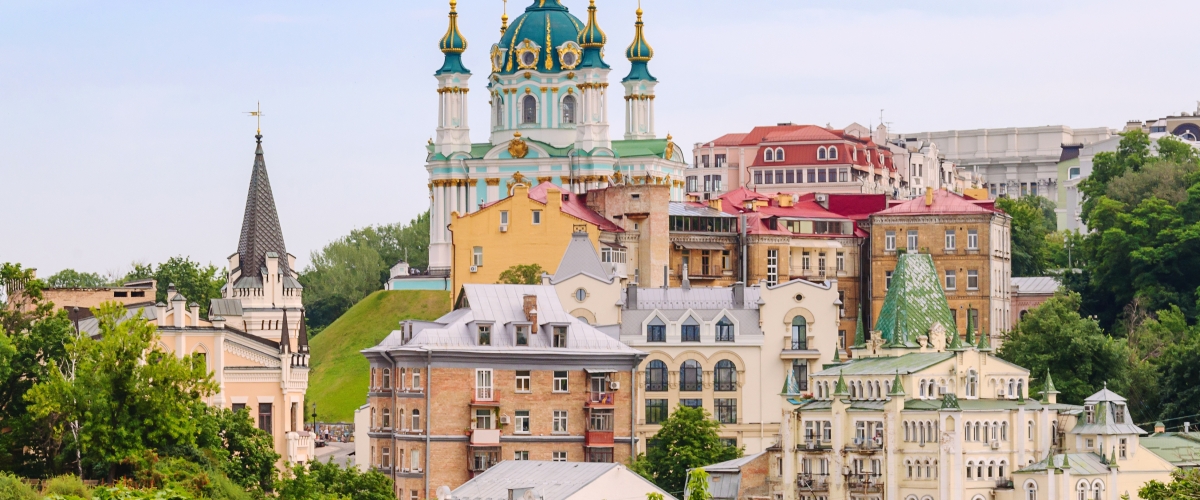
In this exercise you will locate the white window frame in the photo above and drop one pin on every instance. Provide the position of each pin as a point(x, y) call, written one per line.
point(951, 239)
point(477, 256)
point(972, 275)
point(889, 241)
point(537, 217)
point(563, 382)
point(972, 239)
point(951, 280)
point(524, 382)
point(559, 422)
point(485, 384)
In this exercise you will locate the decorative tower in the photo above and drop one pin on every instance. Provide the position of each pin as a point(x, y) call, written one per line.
point(639, 86)
point(453, 132)
point(592, 130)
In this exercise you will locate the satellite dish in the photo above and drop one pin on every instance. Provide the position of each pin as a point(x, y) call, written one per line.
point(443, 492)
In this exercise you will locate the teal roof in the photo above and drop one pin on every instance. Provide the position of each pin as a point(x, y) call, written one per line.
point(640, 147)
point(453, 44)
point(547, 25)
point(915, 300)
point(1082, 464)
point(1182, 449)
point(888, 365)
point(639, 53)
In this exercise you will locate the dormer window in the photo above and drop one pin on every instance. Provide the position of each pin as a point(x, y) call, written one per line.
point(821, 155)
point(1089, 414)
point(1119, 413)
point(485, 334)
point(522, 334)
point(769, 155)
point(832, 152)
point(560, 336)
point(778, 154)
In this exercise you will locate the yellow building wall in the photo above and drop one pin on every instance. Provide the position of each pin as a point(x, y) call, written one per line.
point(523, 243)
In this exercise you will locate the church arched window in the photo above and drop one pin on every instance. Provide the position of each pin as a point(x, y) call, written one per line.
point(499, 111)
point(568, 109)
point(821, 153)
point(972, 384)
point(832, 152)
point(529, 111)
point(769, 155)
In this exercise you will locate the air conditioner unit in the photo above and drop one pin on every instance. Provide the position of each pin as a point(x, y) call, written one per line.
point(474, 269)
point(942, 390)
point(811, 445)
point(822, 198)
point(504, 228)
point(504, 419)
point(995, 444)
point(614, 385)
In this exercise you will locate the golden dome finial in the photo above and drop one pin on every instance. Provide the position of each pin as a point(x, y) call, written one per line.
point(453, 5)
point(504, 19)
point(639, 11)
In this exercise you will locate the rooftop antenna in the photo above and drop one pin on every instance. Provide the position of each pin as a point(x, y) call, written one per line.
point(257, 113)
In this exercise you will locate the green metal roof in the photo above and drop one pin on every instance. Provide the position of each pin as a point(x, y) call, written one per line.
point(888, 365)
point(915, 300)
point(1182, 449)
point(640, 147)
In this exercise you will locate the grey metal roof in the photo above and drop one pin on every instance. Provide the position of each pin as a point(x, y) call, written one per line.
point(261, 233)
point(734, 465)
point(746, 319)
point(502, 306)
point(1182, 449)
point(1035, 285)
point(680, 208)
point(888, 365)
point(91, 326)
point(694, 298)
point(549, 480)
point(580, 258)
point(1082, 464)
point(224, 308)
point(1104, 395)
point(1106, 421)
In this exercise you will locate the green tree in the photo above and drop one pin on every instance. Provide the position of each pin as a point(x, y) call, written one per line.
point(522, 274)
point(70, 278)
point(697, 485)
point(688, 439)
point(196, 282)
point(1032, 219)
point(1184, 485)
point(245, 453)
point(1078, 354)
point(319, 481)
point(126, 392)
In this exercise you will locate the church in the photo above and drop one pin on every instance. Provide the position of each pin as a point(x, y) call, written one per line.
point(548, 91)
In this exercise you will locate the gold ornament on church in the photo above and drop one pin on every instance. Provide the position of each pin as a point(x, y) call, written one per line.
point(517, 148)
point(527, 54)
point(569, 55)
point(670, 148)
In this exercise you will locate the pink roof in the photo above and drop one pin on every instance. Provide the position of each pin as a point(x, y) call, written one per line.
point(575, 206)
point(944, 202)
point(734, 201)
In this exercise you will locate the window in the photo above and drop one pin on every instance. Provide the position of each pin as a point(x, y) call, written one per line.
point(691, 377)
point(560, 381)
point(778, 157)
point(772, 267)
point(598, 455)
point(841, 262)
point(560, 456)
point(692, 403)
point(799, 333)
point(416, 420)
point(972, 280)
point(1122, 447)
point(504, 217)
point(568, 109)
point(951, 240)
point(656, 411)
point(973, 391)
point(523, 381)
point(264, 417)
point(386, 458)
point(387, 418)
point(889, 241)
point(537, 217)
point(483, 384)
point(529, 109)
point(560, 336)
point(912, 240)
point(726, 410)
point(951, 280)
point(725, 376)
point(477, 256)
point(821, 155)
point(724, 330)
point(758, 177)
point(521, 422)
point(387, 378)
point(1031, 491)
point(769, 155)
point(656, 331)
point(656, 376)
point(972, 239)
point(499, 111)
point(691, 333)
point(520, 455)
point(800, 373)
point(833, 152)
point(560, 421)
point(485, 334)
point(887, 280)
point(1119, 413)
point(483, 418)
point(416, 375)
point(522, 334)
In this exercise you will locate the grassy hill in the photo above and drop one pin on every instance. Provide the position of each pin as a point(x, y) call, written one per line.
point(338, 381)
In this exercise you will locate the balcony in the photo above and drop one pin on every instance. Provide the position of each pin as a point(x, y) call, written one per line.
point(300, 447)
point(865, 483)
point(865, 446)
point(598, 438)
point(1004, 484)
point(601, 399)
point(798, 349)
point(813, 447)
point(485, 396)
point(812, 482)
point(485, 437)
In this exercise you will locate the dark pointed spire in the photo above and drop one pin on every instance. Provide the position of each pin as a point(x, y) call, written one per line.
point(302, 336)
point(860, 338)
point(260, 224)
point(285, 340)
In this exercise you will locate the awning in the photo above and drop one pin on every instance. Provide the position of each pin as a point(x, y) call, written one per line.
point(814, 243)
point(700, 245)
point(612, 245)
point(599, 370)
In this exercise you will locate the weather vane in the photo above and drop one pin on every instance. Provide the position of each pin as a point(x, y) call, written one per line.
point(257, 113)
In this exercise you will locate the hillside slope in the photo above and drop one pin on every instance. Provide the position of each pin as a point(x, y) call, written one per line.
point(338, 381)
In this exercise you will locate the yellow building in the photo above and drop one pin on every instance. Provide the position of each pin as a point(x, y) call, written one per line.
point(531, 226)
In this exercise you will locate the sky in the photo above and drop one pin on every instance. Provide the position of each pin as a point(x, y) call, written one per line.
point(124, 137)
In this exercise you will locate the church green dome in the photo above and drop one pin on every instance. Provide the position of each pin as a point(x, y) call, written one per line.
point(453, 44)
point(639, 53)
point(545, 39)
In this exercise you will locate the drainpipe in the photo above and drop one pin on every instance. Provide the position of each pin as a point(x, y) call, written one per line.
point(428, 388)
point(392, 431)
point(633, 410)
point(742, 223)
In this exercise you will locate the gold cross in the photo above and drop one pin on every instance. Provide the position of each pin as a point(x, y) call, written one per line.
point(257, 114)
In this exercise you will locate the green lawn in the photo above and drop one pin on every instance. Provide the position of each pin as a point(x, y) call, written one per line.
point(338, 381)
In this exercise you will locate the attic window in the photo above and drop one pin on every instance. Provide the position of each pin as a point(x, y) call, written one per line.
point(485, 335)
point(1089, 414)
point(566, 197)
point(1119, 413)
point(522, 335)
point(560, 336)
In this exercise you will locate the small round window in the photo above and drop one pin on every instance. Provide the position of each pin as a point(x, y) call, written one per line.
point(568, 59)
point(799, 297)
point(580, 294)
point(529, 58)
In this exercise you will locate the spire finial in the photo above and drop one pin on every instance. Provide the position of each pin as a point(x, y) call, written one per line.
point(257, 113)
point(453, 42)
point(504, 18)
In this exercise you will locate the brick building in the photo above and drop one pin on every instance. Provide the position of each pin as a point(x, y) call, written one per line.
point(507, 375)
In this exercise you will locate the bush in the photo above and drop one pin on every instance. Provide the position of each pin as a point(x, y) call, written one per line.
point(67, 486)
point(13, 488)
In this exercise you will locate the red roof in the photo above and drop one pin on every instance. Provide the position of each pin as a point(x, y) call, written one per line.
point(575, 206)
point(944, 202)
point(729, 140)
point(806, 133)
point(757, 135)
point(733, 202)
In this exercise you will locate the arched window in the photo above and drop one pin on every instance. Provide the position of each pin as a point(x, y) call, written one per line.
point(400, 418)
point(910, 468)
point(1098, 490)
point(499, 100)
point(373, 418)
point(991, 469)
point(387, 418)
point(690, 376)
point(656, 376)
point(907, 434)
point(1029, 434)
point(387, 378)
point(1004, 431)
point(416, 420)
point(769, 155)
point(1030, 490)
point(799, 333)
point(832, 152)
point(970, 469)
point(1012, 388)
point(1081, 490)
point(821, 153)
point(929, 469)
point(977, 427)
point(1000, 471)
point(778, 154)
point(529, 109)
point(568, 109)
point(922, 391)
point(724, 330)
point(972, 384)
point(1020, 388)
point(725, 376)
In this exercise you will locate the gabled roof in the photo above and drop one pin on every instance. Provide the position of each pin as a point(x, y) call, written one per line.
point(580, 258)
point(915, 297)
point(261, 233)
point(548, 480)
point(944, 202)
point(1045, 285)
point(888, 365)
point(729, 140)
point(575, 206)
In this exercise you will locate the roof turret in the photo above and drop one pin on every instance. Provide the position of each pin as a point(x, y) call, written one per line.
point(840, 388)
point(860, 338)
point(453, 44)
point(285, 339)
point(639, 53)
point(302, 336)
point(261, 233)
point(897, 386)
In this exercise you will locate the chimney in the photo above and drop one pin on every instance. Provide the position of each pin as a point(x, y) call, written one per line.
point(785, 200)
point(686, 284)
point(1187, 427)
point(631, 295)
point(1160, 427)
point(218, 322)
point(160, 313)
point(714, 203)
point(929, 196)
point(194, 309)
point(739, 295)
point(530, 308)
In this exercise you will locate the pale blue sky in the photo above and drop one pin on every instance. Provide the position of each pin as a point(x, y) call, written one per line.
point(123, 137)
